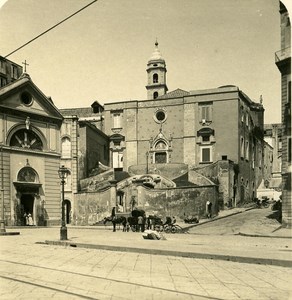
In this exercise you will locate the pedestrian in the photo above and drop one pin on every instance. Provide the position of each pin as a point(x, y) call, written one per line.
point(26, 219)
point(209, 209)
point(173, 220)
point(148, 222)
point(113, 213)
point(30, 220)
point(140, 223)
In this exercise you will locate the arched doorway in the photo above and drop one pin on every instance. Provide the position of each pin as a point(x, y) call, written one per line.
point(67, 205)
point(27, 207)
point(28, 187)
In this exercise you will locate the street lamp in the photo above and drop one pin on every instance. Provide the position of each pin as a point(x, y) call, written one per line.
point(147, 166)
point(2, 221)
point(63, 172)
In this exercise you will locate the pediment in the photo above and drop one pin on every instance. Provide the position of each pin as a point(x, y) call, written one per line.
point(24, 97)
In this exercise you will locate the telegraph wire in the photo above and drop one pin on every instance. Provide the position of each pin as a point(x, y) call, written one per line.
point(78, 11)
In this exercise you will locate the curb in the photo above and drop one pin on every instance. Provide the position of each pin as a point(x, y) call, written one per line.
point(9, 233)
point(240, 259)
point(264, 236)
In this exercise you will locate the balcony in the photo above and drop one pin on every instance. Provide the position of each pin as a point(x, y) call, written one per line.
point(282, 54)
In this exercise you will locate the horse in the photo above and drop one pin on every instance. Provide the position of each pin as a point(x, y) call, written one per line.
point(116, 220)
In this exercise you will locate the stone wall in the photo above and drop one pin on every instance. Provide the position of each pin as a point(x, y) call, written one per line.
point(90, 208)
point(97, 182)
point(179, 202)
point(222, 173)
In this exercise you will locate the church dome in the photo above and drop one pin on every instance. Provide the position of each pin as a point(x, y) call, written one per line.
point(156, 55)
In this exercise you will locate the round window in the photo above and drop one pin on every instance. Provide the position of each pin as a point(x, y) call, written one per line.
point(26, 98)
point(160, 115)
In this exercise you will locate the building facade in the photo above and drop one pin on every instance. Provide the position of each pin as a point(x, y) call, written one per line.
point(30, 127)
point(283, 62)
point(84, 150)
point(9, 71)
point(191, 128)
point(273, 156)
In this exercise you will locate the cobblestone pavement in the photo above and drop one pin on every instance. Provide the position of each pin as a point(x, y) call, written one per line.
point(31, 270)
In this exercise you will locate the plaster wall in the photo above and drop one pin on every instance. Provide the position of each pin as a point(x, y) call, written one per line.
point(225, 123)
point(90, 208)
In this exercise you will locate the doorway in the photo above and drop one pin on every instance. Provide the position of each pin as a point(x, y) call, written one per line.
point(27, 205)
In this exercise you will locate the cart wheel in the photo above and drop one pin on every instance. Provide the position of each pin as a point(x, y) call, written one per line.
point(173, 229)
point(167, 229)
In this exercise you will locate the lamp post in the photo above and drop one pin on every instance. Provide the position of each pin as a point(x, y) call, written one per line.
point(2, 225)
point(147, 166)
point(63, 172)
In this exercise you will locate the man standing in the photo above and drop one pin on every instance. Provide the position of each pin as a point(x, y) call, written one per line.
point(209, 209)
point(140, 223)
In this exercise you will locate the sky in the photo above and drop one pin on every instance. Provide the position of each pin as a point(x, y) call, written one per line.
point(101, 53)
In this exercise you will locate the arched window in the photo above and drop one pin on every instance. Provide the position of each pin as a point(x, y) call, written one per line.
point(160, 145)
point(160, 155)
point(155, 78)
point(27, 174)
point(27, 139)
point(155, 95)
point(68, 182)
point(66, 147)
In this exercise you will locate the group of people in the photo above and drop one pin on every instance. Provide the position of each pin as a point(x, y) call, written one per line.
point(28, 219)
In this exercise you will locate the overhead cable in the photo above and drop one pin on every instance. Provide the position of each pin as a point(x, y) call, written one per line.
point(51, 28)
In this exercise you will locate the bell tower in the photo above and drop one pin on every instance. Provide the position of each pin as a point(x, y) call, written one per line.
point(156, 71)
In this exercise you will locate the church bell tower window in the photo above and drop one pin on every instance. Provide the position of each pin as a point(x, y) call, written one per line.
point(155, 95)
point(155, 78)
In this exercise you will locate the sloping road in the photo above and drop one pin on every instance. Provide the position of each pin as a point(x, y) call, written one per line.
point(255, 221)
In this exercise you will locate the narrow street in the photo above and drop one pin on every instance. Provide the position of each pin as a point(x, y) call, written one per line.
point(253, 221)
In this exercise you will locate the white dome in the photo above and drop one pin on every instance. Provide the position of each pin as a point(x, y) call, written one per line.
point(156, 55)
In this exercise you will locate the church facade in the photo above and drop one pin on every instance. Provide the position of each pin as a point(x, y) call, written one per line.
point(188, 128)
point(30, 154)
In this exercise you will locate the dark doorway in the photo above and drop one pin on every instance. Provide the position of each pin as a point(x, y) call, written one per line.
point(26, 203)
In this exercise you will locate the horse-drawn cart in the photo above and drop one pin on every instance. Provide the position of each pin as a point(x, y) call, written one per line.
point(129, 220)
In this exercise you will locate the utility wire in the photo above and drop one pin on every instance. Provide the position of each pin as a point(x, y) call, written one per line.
point(51, 28)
